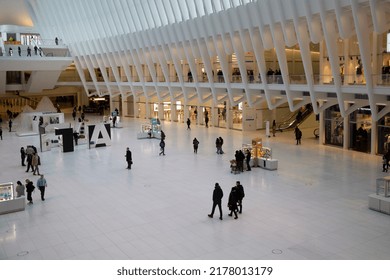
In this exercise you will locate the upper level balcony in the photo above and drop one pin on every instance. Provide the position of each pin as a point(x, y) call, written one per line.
point(43, 64)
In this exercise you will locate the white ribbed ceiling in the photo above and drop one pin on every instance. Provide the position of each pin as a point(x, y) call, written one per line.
point(139, 15)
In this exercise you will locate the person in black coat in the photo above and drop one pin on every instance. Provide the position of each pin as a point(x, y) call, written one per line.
point(188, 123)
point(217, 200)
point(248, 160)
point(232, 203)
point(22, 155)
point(162, 148)
point(128, 158)
point(218, 145)
point(298, 135)
point(240, 195)
point(29, 189)
point(195, 142)
point(241, 160)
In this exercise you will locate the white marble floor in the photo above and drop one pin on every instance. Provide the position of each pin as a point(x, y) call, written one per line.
point(315, 206)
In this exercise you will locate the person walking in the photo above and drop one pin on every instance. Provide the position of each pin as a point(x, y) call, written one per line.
point(162, 135)
point(35, 163)
point(22, 155)
point(29, 189)
point(195, 142)
point(10, 125)
point(162, 147)
point(232, 203)
point(298, 135)
point(28, 51)
point(221, 144)
point(19, 189)
point(19, 51)
point(129, 158)
point(29, 153)
point(36, 50)
point(217, 200)
point(76, 137)
point(218, 145)
point(248, 160)
point(1, 133)
point(42, 185)
point(188, 124)
point(240, 195)
point(273, 127)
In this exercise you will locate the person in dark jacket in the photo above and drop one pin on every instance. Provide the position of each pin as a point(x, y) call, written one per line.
point(217, 200)
point(188, 124)
point(22, 155)
point(221, 142)
point(195, 142)
point(240, 195)
point(232, 203)
point(218, 145)
point(129, 159)
point(162, 135)
point(241, 160)
point(162, 148)
point(29, 189)
point(248, 160)
point(298, 135)
point(29, 153)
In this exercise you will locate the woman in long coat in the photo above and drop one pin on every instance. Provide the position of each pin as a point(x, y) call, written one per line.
point(232, 203)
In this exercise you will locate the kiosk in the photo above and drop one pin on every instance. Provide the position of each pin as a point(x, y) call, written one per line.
point(150, 130)
point(380, 200)
point(8, 202)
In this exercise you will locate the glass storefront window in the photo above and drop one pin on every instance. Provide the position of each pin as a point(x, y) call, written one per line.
point(334, 126)
point(360, 130)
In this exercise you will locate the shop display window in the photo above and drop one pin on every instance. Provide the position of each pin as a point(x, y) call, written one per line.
point(6, 191)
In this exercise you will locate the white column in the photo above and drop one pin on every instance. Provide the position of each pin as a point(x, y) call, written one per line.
point(229, 116)
point(161, 111)
point(173, 112)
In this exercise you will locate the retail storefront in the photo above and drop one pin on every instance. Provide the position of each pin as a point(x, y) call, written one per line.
point(334, 126)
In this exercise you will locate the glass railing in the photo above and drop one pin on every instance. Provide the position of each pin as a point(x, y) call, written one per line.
point(381, 79)
point(346, 80)
point(297, 79)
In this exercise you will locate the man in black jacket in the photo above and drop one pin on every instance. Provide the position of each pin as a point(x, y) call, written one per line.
point(128, 158)
point(217, 200)
point(240, 195)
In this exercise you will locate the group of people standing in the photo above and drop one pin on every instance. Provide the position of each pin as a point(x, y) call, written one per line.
point(41, 184)
point(30, 155)
point(234, 202)
point(33, 159)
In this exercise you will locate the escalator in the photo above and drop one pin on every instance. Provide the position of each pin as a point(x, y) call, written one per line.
point(296, 118)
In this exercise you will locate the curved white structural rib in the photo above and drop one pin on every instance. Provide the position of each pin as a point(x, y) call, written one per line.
point(145, 48)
